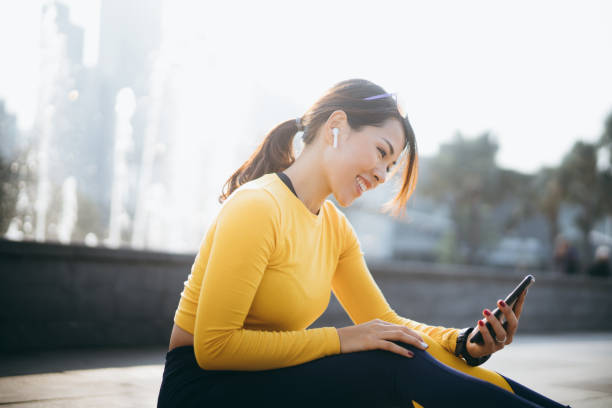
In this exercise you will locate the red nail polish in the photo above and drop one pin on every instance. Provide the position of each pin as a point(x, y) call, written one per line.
point(480, 323)
point(487, 312)
point(501, 302)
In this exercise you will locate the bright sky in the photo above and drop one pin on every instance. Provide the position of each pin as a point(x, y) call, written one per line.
point(534, 73)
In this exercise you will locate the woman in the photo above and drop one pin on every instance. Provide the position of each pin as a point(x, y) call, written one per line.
point(267, 265)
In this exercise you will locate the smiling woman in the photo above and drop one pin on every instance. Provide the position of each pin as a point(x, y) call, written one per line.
point(367, 119)
point(274, 253)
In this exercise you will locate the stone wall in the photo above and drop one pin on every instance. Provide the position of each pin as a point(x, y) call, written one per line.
point(55, 296)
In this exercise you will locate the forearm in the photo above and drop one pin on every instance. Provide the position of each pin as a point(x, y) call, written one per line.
point(254, 350)
point(446, 337)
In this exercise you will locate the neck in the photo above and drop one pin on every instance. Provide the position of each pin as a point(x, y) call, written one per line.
point(309, 179)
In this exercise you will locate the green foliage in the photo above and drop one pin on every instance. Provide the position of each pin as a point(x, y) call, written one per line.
point(537, 194)
point(16, 174)
point(464, 174)
point(583, 185)
point(463, 168)
point(8, 193)
point(606, 136)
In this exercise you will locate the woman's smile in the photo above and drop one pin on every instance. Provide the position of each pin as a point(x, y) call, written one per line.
point(362, 185)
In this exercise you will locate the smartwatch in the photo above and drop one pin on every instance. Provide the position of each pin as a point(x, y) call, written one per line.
point(461, 349)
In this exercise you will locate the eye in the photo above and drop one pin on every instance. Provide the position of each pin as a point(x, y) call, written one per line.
point(382, 152)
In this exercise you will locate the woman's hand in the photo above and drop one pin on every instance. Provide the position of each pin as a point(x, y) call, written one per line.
point(504, 336)
point(379, 334)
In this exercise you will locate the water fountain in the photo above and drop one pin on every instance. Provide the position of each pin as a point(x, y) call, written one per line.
point(198, 121)
point(55, 79)
point(194, 137)
point(68, 215)
point(119, 218)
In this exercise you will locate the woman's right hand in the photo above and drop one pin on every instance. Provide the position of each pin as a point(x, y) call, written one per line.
point(379, 334)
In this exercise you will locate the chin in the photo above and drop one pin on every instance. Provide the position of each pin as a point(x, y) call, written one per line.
point(344, 201)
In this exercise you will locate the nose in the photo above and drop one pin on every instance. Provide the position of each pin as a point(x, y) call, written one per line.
point(380, 175)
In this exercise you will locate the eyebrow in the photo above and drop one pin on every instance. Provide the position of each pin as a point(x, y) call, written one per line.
point(390, 147)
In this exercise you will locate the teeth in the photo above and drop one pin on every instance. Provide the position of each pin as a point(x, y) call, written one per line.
point(361, 184)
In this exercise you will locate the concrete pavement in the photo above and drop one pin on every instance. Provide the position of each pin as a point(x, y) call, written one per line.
point(574, 369)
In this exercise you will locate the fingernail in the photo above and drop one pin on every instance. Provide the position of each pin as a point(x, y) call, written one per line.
point(486, 311)
point(502, 303)
point(409, 353)
point(480, 323)
point(424, 344)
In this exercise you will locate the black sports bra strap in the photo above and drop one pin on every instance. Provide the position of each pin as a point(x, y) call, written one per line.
point(287, 181)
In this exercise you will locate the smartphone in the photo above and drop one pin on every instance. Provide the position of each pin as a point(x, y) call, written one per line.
point(510, 301)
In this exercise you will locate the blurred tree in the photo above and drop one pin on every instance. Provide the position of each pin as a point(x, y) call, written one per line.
point(8, 171)
point(578, 181)
point(537, 194)
point(606, 136)
point(8, 193)
point(583, 185)
point(605, 150)
point(464, 175)
point(18, 184)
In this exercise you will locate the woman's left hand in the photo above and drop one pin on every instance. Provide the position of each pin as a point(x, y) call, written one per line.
point(504, 336)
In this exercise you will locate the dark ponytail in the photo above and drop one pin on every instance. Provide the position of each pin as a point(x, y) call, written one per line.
point(274, 154)
point(354, 97)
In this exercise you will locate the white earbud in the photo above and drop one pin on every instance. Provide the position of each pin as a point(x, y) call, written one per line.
point(335, 132)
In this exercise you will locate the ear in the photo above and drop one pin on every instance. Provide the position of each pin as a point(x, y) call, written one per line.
point(337, 119)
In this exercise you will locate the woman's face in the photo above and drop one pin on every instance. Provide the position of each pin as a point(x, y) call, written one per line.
point(363, 158)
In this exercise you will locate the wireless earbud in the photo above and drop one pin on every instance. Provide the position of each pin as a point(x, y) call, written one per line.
point(335, 132)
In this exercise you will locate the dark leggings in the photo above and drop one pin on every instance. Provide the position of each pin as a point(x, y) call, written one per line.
point(375, 378)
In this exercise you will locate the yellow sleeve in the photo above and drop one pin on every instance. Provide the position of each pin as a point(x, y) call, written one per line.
point(246, 235)
point(363, 300)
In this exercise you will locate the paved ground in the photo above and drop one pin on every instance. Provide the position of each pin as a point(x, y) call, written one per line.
point(572, 369)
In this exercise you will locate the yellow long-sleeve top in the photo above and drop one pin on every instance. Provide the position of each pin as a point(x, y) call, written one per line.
point(265, 271)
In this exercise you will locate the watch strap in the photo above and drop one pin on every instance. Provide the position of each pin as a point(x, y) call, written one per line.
point(461, 349)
